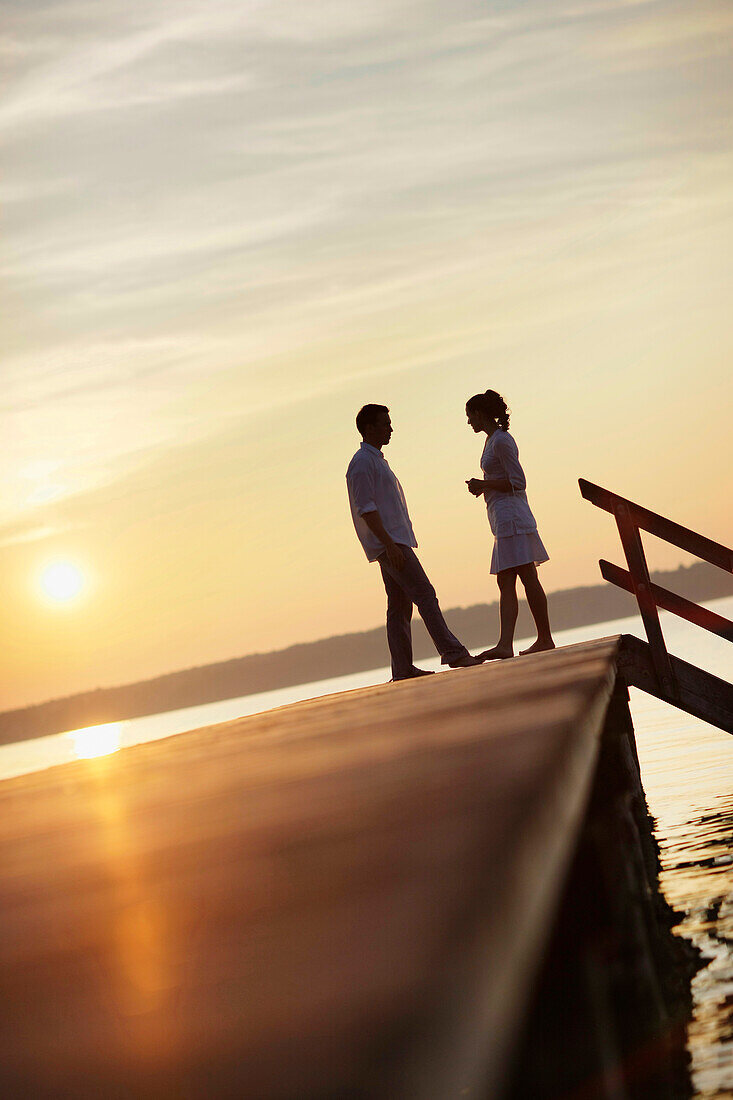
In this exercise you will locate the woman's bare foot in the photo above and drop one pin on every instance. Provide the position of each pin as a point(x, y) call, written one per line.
point(539, 646)
point(498, 653)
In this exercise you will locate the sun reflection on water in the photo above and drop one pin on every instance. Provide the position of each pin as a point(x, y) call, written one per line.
point(96, 740)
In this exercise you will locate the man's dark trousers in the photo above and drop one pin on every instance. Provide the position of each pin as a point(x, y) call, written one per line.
point(405, 587)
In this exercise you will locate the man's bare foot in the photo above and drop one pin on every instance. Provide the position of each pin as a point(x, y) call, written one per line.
point(539, 646)
point(498, 653)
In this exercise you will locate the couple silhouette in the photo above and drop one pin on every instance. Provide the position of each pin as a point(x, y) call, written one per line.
point(383, 526)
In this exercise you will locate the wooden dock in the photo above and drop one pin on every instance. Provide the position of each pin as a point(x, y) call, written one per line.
point(349, 897)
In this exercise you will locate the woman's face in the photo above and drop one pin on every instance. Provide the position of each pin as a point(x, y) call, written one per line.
point(475, 420)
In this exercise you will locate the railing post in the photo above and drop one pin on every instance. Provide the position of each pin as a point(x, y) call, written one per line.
point(636, 561)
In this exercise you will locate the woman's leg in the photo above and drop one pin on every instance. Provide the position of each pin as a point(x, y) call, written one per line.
point(537, 601)
point(508, 610)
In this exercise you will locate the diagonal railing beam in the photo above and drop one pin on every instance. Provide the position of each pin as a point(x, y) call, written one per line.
point(670, 601)
point(642, 585)
point(698, 692)
point(665, 529)
point(649, 665)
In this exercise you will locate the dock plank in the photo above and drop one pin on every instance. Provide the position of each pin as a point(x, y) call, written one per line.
point(344, 897)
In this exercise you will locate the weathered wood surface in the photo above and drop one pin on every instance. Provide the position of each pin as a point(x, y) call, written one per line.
point(341, 898)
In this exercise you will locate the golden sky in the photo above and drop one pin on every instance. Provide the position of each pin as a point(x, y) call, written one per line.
point(230, 223)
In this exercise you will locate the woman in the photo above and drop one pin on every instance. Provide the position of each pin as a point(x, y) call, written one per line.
point(518, 548)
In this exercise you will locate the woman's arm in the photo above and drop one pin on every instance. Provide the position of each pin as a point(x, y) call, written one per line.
point(478, 487)
point(507, 453)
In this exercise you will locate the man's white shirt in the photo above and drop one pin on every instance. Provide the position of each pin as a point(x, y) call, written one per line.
point(373, 487)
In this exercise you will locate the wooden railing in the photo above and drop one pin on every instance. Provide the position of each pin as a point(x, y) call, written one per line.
point(631, 519)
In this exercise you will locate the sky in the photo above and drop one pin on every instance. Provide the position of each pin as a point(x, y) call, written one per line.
point(229, 224)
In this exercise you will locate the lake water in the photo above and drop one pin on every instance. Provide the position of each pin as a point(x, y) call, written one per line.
point(687, 769)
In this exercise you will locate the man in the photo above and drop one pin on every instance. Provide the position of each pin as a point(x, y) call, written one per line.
point(382, 523)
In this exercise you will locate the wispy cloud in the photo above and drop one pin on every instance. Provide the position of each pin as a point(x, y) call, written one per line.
point(196, 189)
point(52, 89)
point(18, 535)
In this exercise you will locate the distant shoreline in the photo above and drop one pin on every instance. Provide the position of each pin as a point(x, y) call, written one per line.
point(331, 657)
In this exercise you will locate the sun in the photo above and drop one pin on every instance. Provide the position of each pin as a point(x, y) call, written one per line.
point(62, 581)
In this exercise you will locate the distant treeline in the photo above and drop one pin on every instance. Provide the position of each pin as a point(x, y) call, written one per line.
point(337, 656)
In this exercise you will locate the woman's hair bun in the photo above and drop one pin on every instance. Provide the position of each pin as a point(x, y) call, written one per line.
point(491, 404)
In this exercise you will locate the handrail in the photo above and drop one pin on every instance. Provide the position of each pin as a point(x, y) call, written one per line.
point(631, 518)
point(670, 601)
point(665, 529)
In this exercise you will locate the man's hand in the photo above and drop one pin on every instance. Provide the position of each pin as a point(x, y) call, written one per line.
point(395, 557)
point(475, 486)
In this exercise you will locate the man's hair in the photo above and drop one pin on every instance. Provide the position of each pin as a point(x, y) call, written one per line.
point(369, 414)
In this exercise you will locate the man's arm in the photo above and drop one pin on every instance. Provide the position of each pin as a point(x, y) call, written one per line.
point(362, 491)
point(373, 521)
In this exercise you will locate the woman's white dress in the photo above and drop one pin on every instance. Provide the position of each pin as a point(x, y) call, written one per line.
point(516, 539)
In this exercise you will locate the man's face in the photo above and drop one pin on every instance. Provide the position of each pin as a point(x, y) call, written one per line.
point(383, 429)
